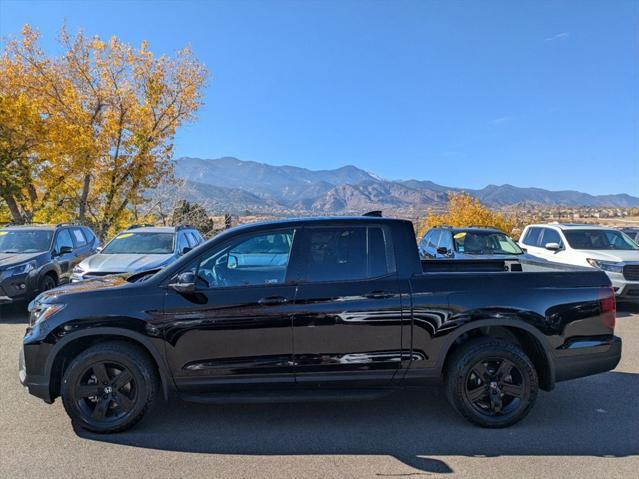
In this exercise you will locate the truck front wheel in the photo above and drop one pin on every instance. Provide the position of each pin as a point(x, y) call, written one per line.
point(491, 382)
point(109, 387)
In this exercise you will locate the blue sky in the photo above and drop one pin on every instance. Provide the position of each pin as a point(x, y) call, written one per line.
point(462, 93)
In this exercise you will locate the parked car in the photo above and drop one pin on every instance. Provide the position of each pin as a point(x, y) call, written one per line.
point(35, 258)
point(139, 249)
point(320, 308)
point(633, 233)
point(467, 243)
point(590, 246)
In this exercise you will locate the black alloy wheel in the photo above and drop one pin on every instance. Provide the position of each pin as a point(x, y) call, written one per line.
point(494, 386)
point(109, 387)
point(491, 382)
point(106, 391)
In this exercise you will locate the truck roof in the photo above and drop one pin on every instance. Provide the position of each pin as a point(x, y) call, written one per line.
point(298, 221)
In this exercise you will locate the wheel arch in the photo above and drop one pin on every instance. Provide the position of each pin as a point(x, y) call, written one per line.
point(521, 333)
point(73, 344)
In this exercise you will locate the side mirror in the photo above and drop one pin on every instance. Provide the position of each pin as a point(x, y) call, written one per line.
point(185, 250)
point(553, 246)
point(442, 250)
point(232, 262)
point(184, 283)
point(64, 250)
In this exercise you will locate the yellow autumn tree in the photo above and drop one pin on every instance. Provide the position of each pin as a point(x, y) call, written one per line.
point(105, 117)
point(464, 210)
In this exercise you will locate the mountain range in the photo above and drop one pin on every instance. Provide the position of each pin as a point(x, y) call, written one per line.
point(231, 185)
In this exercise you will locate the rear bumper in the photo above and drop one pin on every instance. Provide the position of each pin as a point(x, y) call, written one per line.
point(585, 357)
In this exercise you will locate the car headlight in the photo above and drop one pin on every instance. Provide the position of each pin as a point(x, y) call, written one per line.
point(78, 269)
point(610, 266)
point(42, 312)
point(20, 269)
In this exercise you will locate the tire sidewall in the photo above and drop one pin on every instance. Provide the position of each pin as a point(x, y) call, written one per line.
point(78, 367)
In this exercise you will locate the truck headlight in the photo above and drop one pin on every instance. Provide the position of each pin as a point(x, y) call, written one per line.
point(42, 312)
point(609, 266)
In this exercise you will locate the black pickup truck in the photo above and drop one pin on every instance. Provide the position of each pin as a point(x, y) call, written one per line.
point(322, 308)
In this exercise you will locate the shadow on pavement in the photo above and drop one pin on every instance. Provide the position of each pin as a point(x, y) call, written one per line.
point(588, 417)
point(14, 313)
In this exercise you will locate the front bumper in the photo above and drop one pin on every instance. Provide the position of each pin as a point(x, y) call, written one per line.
point(17, 288)
point(587, 356)
point(625, 290)
point(36, 385)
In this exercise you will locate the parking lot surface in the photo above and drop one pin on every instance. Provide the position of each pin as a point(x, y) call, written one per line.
point(584, 428)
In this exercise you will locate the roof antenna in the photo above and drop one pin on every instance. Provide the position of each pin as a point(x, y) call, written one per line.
point(374, 214)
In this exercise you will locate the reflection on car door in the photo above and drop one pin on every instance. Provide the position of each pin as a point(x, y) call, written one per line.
point(348, 308)
point(236, 327)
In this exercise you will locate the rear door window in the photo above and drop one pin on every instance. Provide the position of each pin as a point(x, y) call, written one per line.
point(78, 237)
point(347, 253)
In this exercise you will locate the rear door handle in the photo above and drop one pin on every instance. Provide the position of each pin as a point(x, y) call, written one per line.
point(379, 295)
point(273, 300)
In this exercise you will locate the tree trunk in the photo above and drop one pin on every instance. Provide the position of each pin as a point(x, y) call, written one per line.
point(14, 209)
point(84, 198)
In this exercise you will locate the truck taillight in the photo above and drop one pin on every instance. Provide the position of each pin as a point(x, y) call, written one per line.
point(608, 307)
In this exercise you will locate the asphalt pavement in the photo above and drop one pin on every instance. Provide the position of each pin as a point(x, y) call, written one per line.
point(584, 428)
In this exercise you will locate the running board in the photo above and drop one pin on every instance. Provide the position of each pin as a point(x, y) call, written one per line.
point(303, 395)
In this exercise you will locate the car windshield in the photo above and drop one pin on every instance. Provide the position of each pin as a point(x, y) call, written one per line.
point(25, 241)
point(599, 239)
point(484, 243)
point(140, 243)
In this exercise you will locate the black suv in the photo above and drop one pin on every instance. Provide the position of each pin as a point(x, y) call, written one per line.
point(35, 258)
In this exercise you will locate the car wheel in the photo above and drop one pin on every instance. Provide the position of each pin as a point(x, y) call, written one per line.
point(109, 387)
point(47, 282)
point(492, 383)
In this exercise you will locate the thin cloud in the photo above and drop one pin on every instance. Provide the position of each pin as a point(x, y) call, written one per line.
point(559, 36)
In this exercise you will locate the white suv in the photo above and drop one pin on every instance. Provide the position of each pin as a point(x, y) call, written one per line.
point(592, 246)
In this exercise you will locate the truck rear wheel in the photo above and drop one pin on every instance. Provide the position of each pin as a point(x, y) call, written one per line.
point(491, 382)
point(109, 387)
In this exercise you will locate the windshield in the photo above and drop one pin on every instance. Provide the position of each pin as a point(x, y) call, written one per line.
point(25, 241)
point(140, 243)
point(485, 242)
point(599, 239)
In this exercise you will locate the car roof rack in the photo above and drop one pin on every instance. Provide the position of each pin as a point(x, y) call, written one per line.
point(141, 225)
point(374, 214)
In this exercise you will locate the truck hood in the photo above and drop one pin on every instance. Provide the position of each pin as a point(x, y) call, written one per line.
point(629, 256)
point(117, 263)
point(11, 259)
point(113, 282)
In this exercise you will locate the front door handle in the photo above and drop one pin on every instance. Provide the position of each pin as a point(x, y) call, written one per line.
point(379, 295)
point(273, 300)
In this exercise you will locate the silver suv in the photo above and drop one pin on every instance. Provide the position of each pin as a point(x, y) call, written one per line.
point(139, 248)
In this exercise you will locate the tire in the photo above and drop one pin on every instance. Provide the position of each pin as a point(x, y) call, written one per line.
point(98, 399)
point(47, 282)
point(491, 382)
